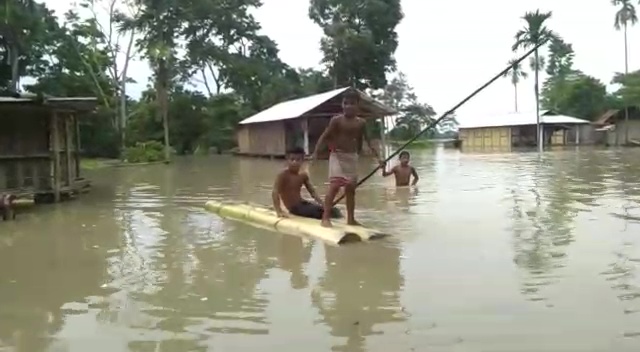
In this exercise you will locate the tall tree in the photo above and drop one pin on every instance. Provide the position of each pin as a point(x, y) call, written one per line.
point(413, 115)
point(360, 39)
point(533, 34)
point(625, 16)
point(516, 73)
point(560, 61)
point(26, 28)
point(105, 16)
point(578, 95)
point(629, 91)
point(160, 22)
point(217, 33)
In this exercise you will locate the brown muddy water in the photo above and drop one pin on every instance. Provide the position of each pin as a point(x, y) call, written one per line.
point(493, 252)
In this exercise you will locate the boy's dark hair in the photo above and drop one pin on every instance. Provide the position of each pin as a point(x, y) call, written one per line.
point(351, 95)
point(295, 151)
point(404, 153)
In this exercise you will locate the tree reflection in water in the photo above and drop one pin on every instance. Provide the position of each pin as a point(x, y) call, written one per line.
point(202, 275)
point(623, 271)
point(47, 276)
point(540, 245)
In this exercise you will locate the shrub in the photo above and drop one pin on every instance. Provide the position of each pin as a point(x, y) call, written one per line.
point(144, 152)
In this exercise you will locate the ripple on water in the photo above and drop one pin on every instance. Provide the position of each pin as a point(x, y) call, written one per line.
point(169, 276)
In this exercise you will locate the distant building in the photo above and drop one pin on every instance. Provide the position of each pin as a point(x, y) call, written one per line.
point(519, 130)
point(298, 122)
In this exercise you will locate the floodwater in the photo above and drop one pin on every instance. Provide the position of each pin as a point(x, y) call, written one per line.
point(492, 252)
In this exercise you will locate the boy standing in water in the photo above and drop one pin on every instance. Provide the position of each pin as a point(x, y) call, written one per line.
point(403, 172)
point(344, 136)
point(288, 185)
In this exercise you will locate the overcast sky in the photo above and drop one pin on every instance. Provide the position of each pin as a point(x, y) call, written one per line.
point(448, 49)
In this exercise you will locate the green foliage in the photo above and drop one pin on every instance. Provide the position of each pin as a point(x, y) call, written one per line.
point(626, 14)
point(81, 54)
point(144, 152)
point(561, 54)
point(516, 73)
point(534, 32)
point(26, 28)
point(412, 115)
point(569, 91)
point(582, 96)
point(415, 145)
point(629, 92)
point(360, 39)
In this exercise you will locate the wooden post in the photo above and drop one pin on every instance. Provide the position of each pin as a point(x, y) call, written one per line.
point(69, 144)
point(383, 143)
point(77, 149)
point(55, 138)
point(305, 129)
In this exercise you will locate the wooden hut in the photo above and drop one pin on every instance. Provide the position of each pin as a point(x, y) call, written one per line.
point(39, 146)
point(299, 122)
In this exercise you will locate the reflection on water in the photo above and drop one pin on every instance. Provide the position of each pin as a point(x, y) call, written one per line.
point(491, 252)
point(359, 292)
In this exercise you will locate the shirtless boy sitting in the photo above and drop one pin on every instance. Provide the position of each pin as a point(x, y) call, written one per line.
point(403, 172)
point(288, 185)
point(344, 136)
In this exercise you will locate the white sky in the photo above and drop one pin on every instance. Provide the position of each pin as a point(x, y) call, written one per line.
point(448, 49)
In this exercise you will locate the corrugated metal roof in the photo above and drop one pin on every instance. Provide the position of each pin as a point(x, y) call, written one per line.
point(292, 108)
point(517, 119)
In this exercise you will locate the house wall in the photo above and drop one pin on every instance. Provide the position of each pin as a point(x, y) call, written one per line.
point(27, 157)
point(262, 139)
point(242, 136)
point(618, 135)
point(587, 135)
point(24, 152)
point(274, 138)
point(488, 137)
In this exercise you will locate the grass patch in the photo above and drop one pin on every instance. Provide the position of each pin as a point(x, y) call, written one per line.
point(97, 163)
point(417, 144)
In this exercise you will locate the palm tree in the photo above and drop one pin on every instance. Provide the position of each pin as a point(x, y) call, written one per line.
point(626, 15)
point(534, 33)
point(516, 73)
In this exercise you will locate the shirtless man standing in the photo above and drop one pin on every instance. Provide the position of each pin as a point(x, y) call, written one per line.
point(344, 135)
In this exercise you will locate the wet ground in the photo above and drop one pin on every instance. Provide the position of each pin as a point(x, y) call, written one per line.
point(492, 252)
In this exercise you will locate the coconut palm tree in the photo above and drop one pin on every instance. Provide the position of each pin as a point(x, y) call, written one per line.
point(534, 33)
point(516, 73)
point(625, 16)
